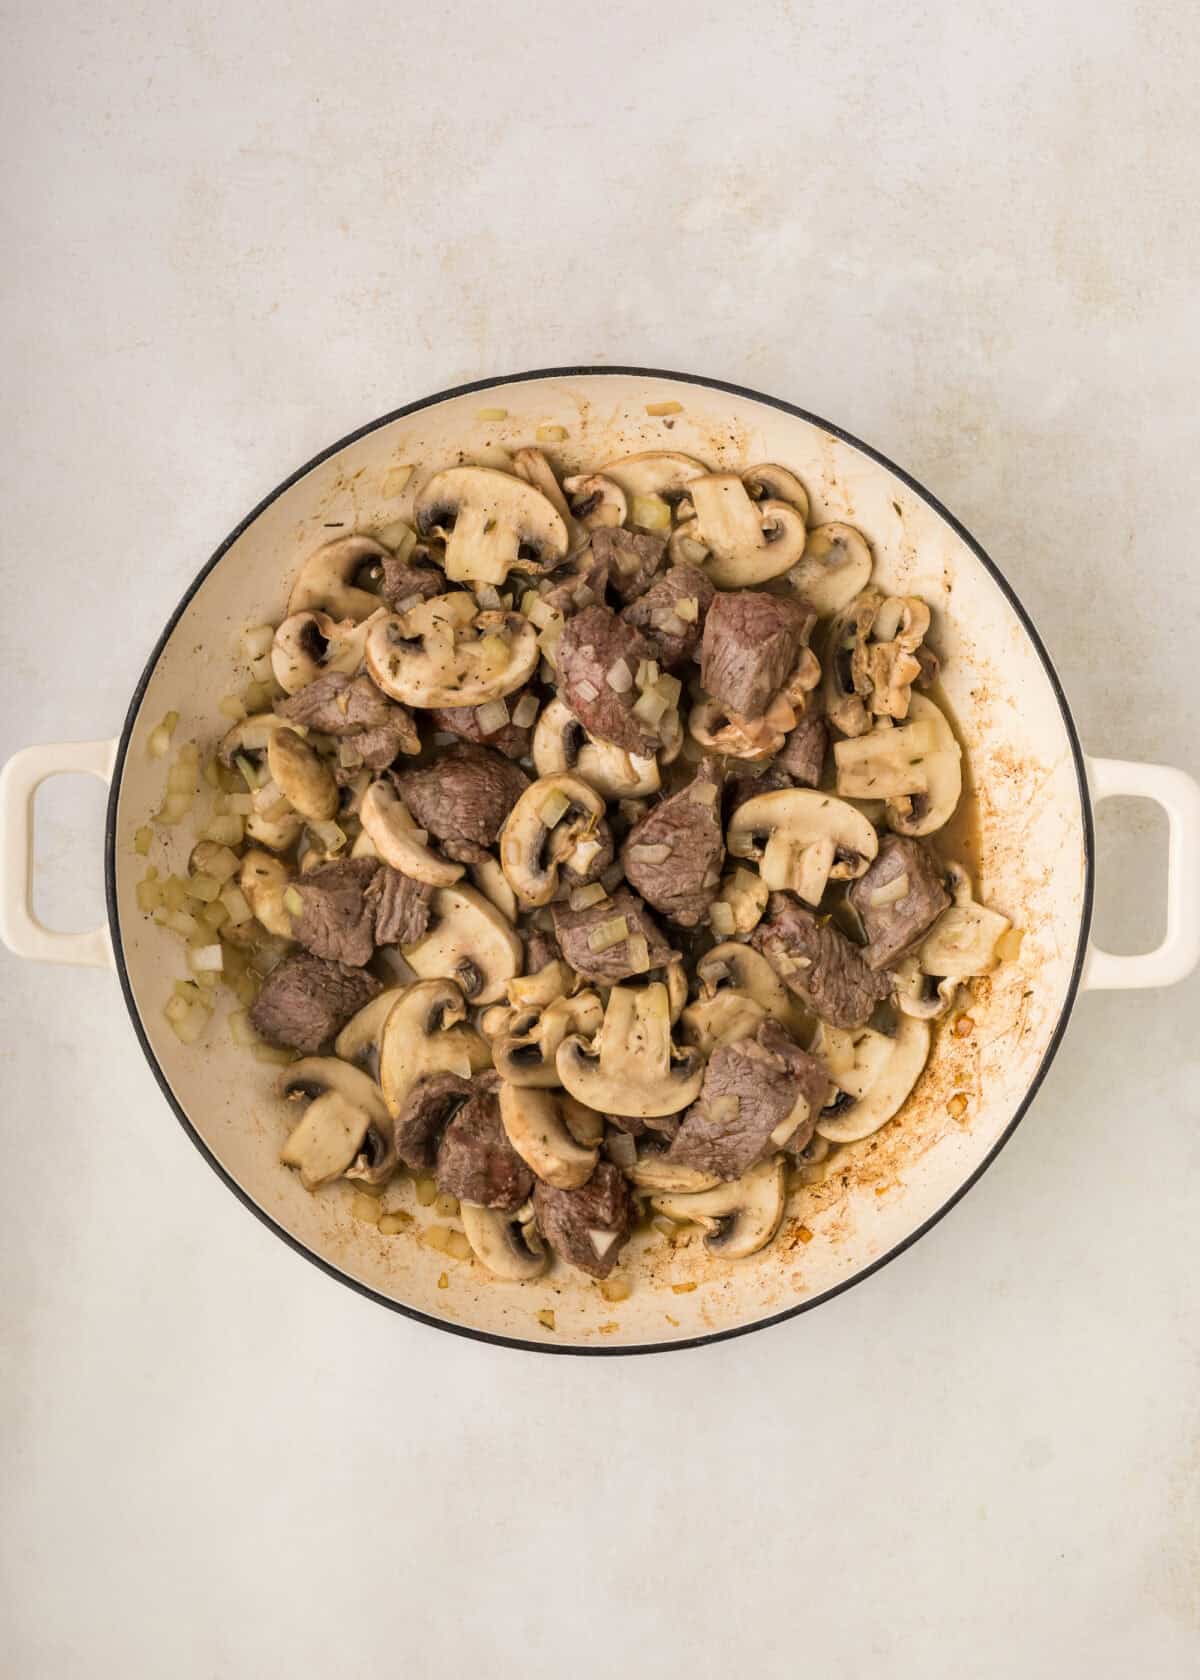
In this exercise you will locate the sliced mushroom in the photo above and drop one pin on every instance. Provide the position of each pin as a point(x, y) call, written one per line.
point(308, 644)
point(525, 1051)
point(425, 1032)
point(342, 1105)
point(962, 942)
point(654, 1172)
point(810, 838)
point(632, 1066)
point(358, 1041)
point(770, 483)
point(535, 469)
point(328, 580)
point(535, 1124)
point(245, 745)
point(547, 829)
point(872, 659)
point(834, 568)
point(879, 1079)
point(739, 969)
point(489, 880)
point(741, 1217)
point(926, 996)
point(500, 1242)
point(596, 500)
point(733, 737)
point(736, 541)
point(924, 812)
point(663, 473)
point(470, 942)
point(492, 523)
point(724, 1018)
point(263, 881)
point(561, 744)
point(535, 991)
point(301, 777)
point(445, 652)
point(396, 838)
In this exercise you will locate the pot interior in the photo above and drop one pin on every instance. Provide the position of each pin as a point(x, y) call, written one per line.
point(1022, 835)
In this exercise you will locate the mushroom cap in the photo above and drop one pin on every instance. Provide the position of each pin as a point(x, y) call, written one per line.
point(655, 472)
point(396, 838)
point(308, 644)
point(492, 522)
point(535, 1124)
point(743, 542)
point(596, 500)
point(358, 1041)
point(489, 879)
point(632, 1067)
point(541, 832)
point(341, 1105)
point(771, 483)
point(834, 568)
point(811, 838)
point(424, 1032)
point(932, 809)
point(263, 881)
point(470, 942)
point(535, 469)
point(446, 653)
point(654, 1172)
point(304, 780)
point(562, 744)
point(734, 968)
point(248, 738)
point(525, 1051)
point(498, 1241)
point(885, 1087)
point(326, 581)
point(722, 1019)
point(740, 1217)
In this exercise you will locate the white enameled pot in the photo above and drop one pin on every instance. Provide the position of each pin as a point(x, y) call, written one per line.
point(1033, 852)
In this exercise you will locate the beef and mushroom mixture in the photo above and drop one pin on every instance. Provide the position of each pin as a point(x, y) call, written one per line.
point(578, 846)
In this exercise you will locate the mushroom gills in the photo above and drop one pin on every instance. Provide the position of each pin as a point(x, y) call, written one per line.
point(507, 1248)
point(740, 1218)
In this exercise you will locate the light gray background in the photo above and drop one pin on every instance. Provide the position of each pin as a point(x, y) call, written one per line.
point(233, 232)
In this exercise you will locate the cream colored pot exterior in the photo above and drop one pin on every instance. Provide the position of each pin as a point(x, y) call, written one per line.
point(1033, 859)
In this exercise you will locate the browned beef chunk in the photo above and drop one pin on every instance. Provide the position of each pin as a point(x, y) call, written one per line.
point(574, 926)
point(592, 643)
point(750, 646)
point(631, 558)
point(816, 960)
point(352, 707)
point(749, 780)
point(590, 1226)
point(675, 639)
point(463, 721)
point(759, 1094)
point(581, 584)
point(401, 907)
point(893, 926)
point(462, 798)
point(305, 1001)
point(338, 915)
point(476, 1162)
point(673, 856)
point(802, 755)
point(403, 583)
point(427, 1111)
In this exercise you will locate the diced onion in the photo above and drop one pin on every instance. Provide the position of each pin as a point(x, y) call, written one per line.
point(650, 854)
point(329, 834)
point(619, 677)
point(525, 711)
point(638, 953)
point(891, 892)
point(721, 918)
point(149, 895)
point(664, 408)
point(158, 742)
point(488, 597)
point(608, 934)
point(584, 897)
point(492, 716)
point(539, 611)
point(214, 915)
point(688, 609)
point(584, 855)
point(293, 902)
point(723, 1109)
point(550, 434)
point(141, 841)
point(234, 901)
point(651, 513)
point(491, 414)
point(226, 831)
point(239, 1026)
point(187, 1022)
point(395, 481)
point(222, 864)
point(647, 673)
point(670, 688)
point(670, 625)
point(617, 1289)
point(204, 887)
point(650, 707)
point(586, 690)
point(257, 640)
point(703, 792)
point(179, 921)
point(206, 959)
point(263, 671)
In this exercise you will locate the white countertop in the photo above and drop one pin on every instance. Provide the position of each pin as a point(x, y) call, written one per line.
point(968, 235)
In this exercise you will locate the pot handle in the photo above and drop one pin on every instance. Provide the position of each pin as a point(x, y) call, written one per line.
point(19, 781)
point(1179, 952)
